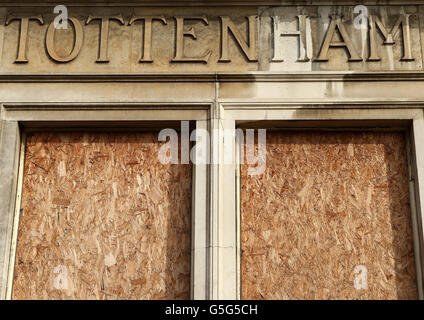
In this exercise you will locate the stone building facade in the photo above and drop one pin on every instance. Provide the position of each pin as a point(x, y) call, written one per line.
point(336, 214)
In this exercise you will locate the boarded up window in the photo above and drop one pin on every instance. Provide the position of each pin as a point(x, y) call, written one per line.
point(328, 218)
point(102, 218)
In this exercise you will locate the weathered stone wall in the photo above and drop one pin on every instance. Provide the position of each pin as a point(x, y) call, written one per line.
point(270, 77)
point(394, 34)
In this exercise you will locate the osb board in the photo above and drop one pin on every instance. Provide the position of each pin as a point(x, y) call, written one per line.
point(102, 218)
point(327, 203)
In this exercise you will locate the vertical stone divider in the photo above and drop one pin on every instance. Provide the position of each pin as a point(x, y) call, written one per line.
point(9, 164)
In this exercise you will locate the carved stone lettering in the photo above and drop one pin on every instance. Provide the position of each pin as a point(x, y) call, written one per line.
point(23, 34)
point(375, 23)
point(147, 37)
point(337, 25)
point(229, 32)
point(179, 45)
point(301, 34)
point(78, 36)
point(250, 49)
point(104, 34)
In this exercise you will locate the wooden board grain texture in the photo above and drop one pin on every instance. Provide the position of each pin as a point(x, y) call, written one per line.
point(102, 218)
point(327, 203)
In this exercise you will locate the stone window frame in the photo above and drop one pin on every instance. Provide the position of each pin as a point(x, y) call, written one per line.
point(382, 115)
point(216, 217)
point(19, 118)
